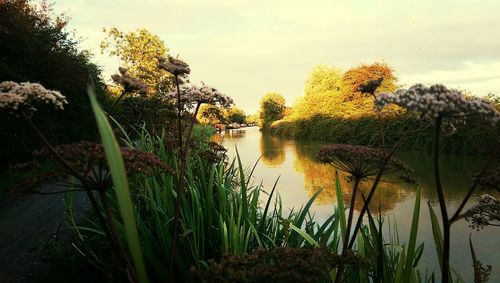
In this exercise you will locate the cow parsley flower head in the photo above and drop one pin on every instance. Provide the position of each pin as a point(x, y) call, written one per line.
point(359, 161)
point(193, 94)
point(174, 66)
point(24, 97)
point(129, 83)
point(485, 213)
point(437, 101)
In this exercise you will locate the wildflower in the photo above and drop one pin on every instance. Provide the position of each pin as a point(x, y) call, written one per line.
point(359, 161)
point(174, 66)
point(25, 96)
point(371, 86)
point(485, 213)
point(201, 94)
point(438, 101)
point(86, 156)
point(129, 84)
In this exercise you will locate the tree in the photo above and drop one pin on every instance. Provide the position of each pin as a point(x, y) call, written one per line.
point(35, 46)
point(321, 93)
point(138, 52)
point(210, 114)
point(235, 115)
point(252, 119)
point(354, 77)
point(323, 79)
point(272, 107)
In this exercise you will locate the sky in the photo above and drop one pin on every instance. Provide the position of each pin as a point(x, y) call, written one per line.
point(248, 48)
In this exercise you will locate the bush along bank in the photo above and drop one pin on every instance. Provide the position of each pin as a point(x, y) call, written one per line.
point(470, 138)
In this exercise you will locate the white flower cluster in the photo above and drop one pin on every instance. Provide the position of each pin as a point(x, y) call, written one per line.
point(438, 101)
point(25, 96)
point(201, 94)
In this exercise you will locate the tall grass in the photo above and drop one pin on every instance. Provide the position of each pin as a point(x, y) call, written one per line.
point(222, 214)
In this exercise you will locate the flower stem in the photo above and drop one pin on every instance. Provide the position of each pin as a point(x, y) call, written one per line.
point(445, 272)
point(375, 183)
point(380, 126)
point(184, 152)
point(85, 184)
point(351, 213)
point(179, 110)
point(116, 239)
point(474, 185)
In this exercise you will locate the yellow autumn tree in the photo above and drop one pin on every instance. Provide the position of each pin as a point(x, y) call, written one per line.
point(138, 52)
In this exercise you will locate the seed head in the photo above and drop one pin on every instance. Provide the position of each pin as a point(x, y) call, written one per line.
point(174, 66)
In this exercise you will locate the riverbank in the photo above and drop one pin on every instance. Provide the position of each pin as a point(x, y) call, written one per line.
point(470, 138)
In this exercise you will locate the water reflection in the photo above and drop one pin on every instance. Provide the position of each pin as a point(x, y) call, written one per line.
point(272, 150)
point(301, 176)
point(318, 175)
point(456, 170)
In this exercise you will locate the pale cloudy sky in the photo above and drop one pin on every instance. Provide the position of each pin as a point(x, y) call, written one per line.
point(248, 48)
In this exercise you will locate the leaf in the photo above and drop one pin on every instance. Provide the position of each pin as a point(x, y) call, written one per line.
point(410, 258)
point(120, 182)
point(436, 233)
point(304, 235)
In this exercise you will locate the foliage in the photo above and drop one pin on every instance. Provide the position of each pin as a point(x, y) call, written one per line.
point(277, 265)
point(223, 217)
point(324, 113)
point(139, 52)
point(252, 119)
point(323, 79)
point(272, 107)
point(211, 115)
point(359, 75)
point(235, 115)
point(477, 140)
point(35, 46)
point(332, 93)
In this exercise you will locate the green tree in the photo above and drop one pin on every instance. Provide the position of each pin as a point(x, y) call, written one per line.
point(354, 77)
point(272, 107)
point(252, 119)
point(138, 52)
point(235, 115)
point(210, 114)
point(35, 46)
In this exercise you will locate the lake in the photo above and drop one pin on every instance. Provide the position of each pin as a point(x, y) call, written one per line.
point(301, 176)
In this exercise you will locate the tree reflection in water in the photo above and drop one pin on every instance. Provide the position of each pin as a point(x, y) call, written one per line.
point(272, 150)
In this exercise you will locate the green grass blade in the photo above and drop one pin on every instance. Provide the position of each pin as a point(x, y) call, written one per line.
point(266, 209)
point(410, 258)
point(304, 235)
point(436, 233)
point(340, 205)
point(117, 168)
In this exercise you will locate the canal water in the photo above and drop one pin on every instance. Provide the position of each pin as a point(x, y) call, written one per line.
point(301, 176)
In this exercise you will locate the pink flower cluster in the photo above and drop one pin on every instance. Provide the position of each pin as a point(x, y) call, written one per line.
point(25, 96)
point(192, 94)
point(438, 101)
